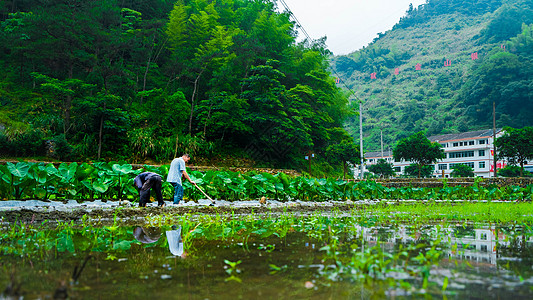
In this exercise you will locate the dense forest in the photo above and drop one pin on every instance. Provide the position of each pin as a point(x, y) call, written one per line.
point(441, 69)
point(138, 80)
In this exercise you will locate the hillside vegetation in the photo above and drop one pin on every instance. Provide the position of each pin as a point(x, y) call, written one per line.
point(453, 90)
point(137, 80)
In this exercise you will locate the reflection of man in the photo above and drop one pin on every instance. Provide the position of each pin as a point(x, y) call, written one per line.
point(146, 181)
point(175, 172)
point(147, 235)
point(175, 243)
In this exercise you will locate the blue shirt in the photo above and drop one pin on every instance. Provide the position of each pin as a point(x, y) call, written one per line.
point(177, 166)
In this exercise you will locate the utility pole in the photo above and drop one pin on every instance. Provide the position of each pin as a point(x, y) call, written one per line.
point(361, 137)
point(381, 144)
point(308, 157)
point(494, 134)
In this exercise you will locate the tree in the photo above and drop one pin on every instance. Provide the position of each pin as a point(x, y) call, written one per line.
point(116, 77)
point(382, 168)
point(419, 150)
point(516, 145)
point(412, 170)
point(461, 170)
point(199, 42)
point(513, 171)
point(223, 114)
point(345, 151)
point(278, 128)
point(63, 94)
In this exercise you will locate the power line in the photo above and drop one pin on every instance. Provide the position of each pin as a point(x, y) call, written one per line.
point(340, 80)
point(291, 14)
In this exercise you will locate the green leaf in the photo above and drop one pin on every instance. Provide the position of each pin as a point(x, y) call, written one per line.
point(39, 192)
point(67, 171)
point(100, 187)
point(122, 169)
point(123, 245)
point(40, 174)
point(65, 243)
point(19, 170)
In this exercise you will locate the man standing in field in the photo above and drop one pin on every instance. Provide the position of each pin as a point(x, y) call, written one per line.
point(175, 173)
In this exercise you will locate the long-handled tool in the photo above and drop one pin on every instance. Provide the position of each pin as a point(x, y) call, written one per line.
point(212, 201)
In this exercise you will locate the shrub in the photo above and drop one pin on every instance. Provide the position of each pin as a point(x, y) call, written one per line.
point(62, 150)
point(512, 171)
point(26, 143)
point(461, 170)
point(412, 171)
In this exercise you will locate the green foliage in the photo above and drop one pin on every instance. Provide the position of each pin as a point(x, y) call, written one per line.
point(22, 143)
point(461, 170)
point(113, 181)
point(414, 170)
point(61, 149)
point(442, 99)
point(382, 168)
point(419, 150)
point(516, 145)
point(507, 21)
point(502, 78)
point(130, 79)
point(513, 171)
point(346, 151)
point(432, 8)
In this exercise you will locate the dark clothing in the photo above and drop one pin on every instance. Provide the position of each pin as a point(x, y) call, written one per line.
point(146, 181)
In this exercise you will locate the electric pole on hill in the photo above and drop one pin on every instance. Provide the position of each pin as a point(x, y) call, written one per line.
point(494, 135)
point(381, 130)
point(361, 137)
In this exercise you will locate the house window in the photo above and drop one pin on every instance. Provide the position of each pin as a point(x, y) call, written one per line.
point(471, 143)
point(461, 154)
point(470, 164)
point(443, 166)
point(481, 142)
point(481, 152)
point(482, 165)
point(456, 144)
point(397, 169)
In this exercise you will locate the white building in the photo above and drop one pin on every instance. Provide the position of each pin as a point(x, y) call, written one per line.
point(474, 149)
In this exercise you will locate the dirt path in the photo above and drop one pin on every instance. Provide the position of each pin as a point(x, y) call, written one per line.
point(34, 211)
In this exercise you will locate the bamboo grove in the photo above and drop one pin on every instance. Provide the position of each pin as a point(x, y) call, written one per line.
point(147, 79)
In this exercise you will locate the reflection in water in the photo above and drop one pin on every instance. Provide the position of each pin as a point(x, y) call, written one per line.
point(147, 235)
point(499, 264)
point(483, 244)
point(175, 243)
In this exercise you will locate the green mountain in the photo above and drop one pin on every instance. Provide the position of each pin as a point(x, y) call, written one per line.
point(470, 54)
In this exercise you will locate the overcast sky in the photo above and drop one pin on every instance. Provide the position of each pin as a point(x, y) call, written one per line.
point(348, 24)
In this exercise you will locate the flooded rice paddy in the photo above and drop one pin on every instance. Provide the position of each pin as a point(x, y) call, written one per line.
point(361, 254)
